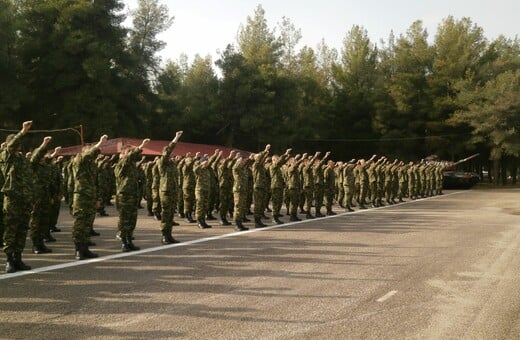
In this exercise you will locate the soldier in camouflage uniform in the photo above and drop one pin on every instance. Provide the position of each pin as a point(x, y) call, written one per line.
point(293, 184)
point(260, 185)
point(56, 190)
point(188, 186)
point(349, 184)
point(127, 194)
point(39, 223)
point(319, 182)
point(340, 191)
point(103, 182)
point(203, 187)
point(2, 228)
point(148, 180)
point(86, 198)
point(225, 182)
point(329, 177)
point(240, 191)
point(308, 184)
point(167, 189)
point(17, 194)
point(277, 183)
point(156, 205)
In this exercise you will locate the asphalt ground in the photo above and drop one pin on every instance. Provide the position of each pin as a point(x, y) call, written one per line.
point(446, 267)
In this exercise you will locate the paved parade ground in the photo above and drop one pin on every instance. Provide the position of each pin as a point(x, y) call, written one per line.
point(436, 268)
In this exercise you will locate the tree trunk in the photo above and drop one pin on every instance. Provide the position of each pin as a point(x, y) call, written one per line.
point(496, 171)
point(503, 170)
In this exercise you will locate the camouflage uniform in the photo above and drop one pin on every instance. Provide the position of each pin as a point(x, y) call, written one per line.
point(225, 182)
point(202, 191)
point(329, 177)
point(293, 188)
point(40, 214)
point(349, 185)
point(318, 187)
point(260, 185)
point(277, 184)
point(127, 194)
point(85, 195)
point(166, 171)
point(17, 192)
point(188, 187)
point(56, 192)
point(148, 180)
point(240, 190)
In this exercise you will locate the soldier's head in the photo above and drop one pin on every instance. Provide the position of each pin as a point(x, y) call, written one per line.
point(275, 158)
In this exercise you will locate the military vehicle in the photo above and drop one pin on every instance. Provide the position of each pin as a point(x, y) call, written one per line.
point(456, 177)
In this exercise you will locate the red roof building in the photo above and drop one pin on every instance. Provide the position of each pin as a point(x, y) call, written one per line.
point(153, 148)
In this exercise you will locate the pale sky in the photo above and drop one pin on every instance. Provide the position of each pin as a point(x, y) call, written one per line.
point(205, 26)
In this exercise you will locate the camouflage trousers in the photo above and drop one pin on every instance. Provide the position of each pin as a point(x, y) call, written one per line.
point(127, 208)
point(373, 191)
point(226, 201)
point(84, 213)
point(55, 211)
point(40, 220)
point(363, 190)
point(201, 203)
point(189, 199)
point(259, 202)
point(349, 191)
point(294, 195)
point(16, 213)
point(329, 198)
point(167, 211)
point(308, 194)
point(341, 195)
point(319, 193)
point(240, 201)
point(277, 199)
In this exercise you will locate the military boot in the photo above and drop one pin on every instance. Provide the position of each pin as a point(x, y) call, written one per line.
point(9, 264)
point(294, 218)
point(189, 218)
point(172, 240)
point(319, 214)
point(55, 229)
point(277, 220)
point(157, 216)
point(18, 263)
point(125, 247)
point(308, 215)
point(82, 252)
point(240, 227)
point(131, 244)
point(94, 233)
point(330, 213)
point(210, 217)
point(202, 224)
point(166, 238)
point(224, 221)
point(259, 223)
point(39, 247)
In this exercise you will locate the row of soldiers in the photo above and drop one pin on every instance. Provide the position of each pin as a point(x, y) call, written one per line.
point(193, 186)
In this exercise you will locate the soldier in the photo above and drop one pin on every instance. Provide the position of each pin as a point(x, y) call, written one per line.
point(17, 192)
point(240, 192)
point(148, 180)
point(156, 205)
point(319, 182)
point(277, 183)
point(340, 190)
point(349, 184)
point(260, 185)
point(225, 182)
point(56, 189)
point(86, 198)
point(308, 184)
point(2, 164)
point(363, 180)
point(203, 187)
point(127, 194)
point(329, 177)
point(293, 185)
point(188, 186)
point(39, 223)
point(103, 183)
point(167, 190)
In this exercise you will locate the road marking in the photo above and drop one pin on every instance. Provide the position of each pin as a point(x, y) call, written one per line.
point(201, 240)
point(387, 296)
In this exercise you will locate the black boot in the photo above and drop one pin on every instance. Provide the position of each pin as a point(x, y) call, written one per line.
point(49, 238)
point(189, 218)
point(239, 226)
point(308, 215)
point(9, 264)
point(55, 229)
point(175, 224)
point(224, 221)
point(330, 213)
point(157, 216)
point(131, 244)
point(165, 239)
point(172, 240)
point(40, 248)
point(94, 233)
point(82, 252)
point(202, 224)
point(277, 220)
point(18, 263)
point(125, 247)
point(210, 217)
point(294, 218)
point(319, 214)
point(349, 209)
point(259, 223)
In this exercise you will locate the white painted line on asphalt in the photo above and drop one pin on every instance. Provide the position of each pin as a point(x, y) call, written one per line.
point(201, 240)
point(387, 296)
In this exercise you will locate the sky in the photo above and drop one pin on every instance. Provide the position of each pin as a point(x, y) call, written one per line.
point(205, 27)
